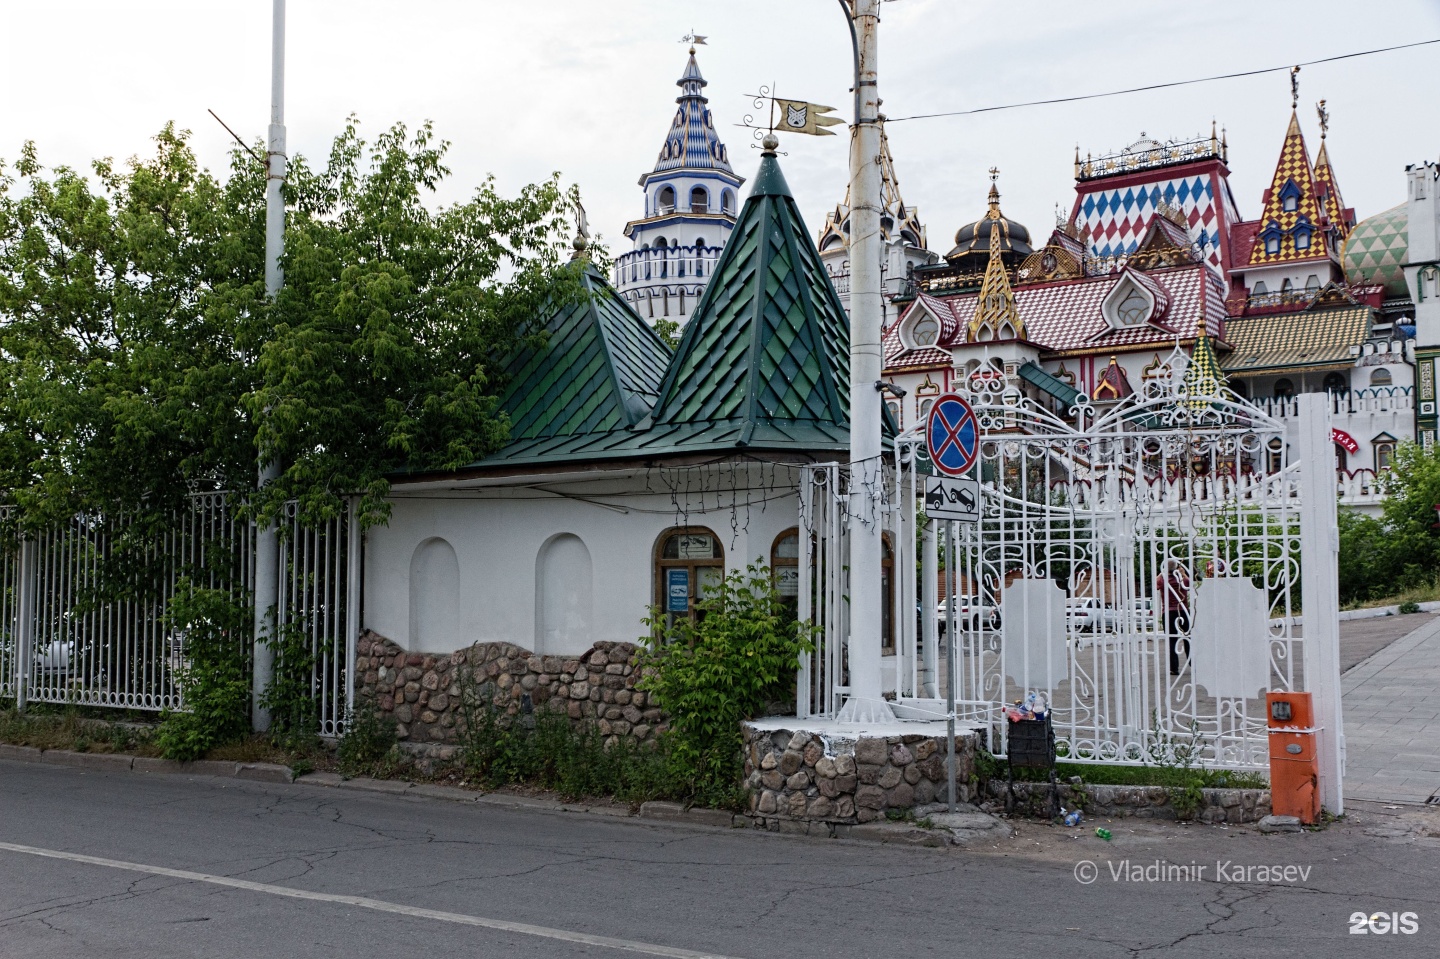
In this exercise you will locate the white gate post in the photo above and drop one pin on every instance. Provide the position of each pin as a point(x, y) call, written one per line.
point(1319, 592)
point(354, 543)
point(929, 601)
point(24, 622)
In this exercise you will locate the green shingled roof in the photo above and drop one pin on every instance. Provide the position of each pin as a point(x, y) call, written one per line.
point(768, 347)
point(598, 371)
point(764, 363)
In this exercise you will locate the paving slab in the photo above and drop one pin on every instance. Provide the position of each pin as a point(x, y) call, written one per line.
point(1392, 733)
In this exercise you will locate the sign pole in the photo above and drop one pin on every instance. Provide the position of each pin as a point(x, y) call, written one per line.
point(952, 577)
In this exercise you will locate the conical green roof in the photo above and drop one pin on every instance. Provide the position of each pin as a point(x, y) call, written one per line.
point(767, 352)
point(599, 370)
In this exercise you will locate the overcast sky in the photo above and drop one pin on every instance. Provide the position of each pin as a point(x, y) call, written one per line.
point(587, 88)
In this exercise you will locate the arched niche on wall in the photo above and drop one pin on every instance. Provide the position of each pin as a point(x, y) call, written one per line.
point(435, 597)
point(564, 596)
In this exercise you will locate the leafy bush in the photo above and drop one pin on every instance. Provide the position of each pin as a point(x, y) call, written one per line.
point(545, 749)
point(290, 697)
point(711, 674)
point(1410, 607)
point(368, 744)
point(215, 677)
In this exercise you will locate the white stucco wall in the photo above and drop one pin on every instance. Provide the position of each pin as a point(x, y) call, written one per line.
point(511, 591)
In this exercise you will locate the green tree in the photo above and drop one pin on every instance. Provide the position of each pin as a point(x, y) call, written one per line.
point(140, 360)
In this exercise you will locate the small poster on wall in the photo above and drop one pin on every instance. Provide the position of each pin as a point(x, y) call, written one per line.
point(787, 581)
point(697, 546)
point(677, 590)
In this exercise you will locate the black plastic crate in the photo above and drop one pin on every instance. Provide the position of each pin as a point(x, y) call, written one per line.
point(1031, 744)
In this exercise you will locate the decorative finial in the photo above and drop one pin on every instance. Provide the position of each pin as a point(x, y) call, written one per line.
point(695, 40)
point(995, 173)
point(1224, 146)
point(769, 144)
point(1324, 118)
point(1077, 161)
point(994, 213)
point(1294, 87)
point(581, 243)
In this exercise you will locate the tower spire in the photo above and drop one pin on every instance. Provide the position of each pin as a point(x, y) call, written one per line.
point(996, 307)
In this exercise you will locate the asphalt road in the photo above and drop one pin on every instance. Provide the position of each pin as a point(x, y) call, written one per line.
point(135, 865)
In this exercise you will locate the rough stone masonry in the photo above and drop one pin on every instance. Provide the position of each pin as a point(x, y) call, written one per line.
point(800, 775)
point(422, 691)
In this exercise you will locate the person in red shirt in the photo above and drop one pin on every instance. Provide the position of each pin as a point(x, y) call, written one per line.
point(1172, 591)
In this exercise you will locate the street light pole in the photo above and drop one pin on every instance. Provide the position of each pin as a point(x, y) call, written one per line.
point(865, 703)
point(267, 538)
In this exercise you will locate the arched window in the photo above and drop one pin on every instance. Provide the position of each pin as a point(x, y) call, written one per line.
point(434, 597)
point(894, 409)
point(699, 243)
point(689, 562)
point(925, 410)
point(1380, 376)
point(925, 331)
point(666, 199)
point(1133, 309)
point(1302, 239)
point(1259, 289)
point(727, 201)
point(1336, 383)
point(1284, 388)
point(1290, 203)
point(564, 597)
point(1384, 446)
point(785, 567)
point(1272, 244)
point(699, 200)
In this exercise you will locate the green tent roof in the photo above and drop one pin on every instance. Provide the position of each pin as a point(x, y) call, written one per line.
point(764, 363)
point(599, 370)
point(767, 351)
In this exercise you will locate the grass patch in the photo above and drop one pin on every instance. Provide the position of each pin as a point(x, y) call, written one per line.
point(72, 729)
point(1424, 593)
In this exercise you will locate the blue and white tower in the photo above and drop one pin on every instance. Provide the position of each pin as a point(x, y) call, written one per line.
point(691, 198)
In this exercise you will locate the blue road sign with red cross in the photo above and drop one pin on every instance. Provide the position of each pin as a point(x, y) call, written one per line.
point(952, 436)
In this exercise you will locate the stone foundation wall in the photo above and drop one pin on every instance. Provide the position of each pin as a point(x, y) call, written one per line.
point(422, 691)
point(802, 776)
point(1145, 802)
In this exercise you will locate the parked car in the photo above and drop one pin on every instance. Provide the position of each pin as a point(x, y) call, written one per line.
point(1088, 614)
point(970, 613)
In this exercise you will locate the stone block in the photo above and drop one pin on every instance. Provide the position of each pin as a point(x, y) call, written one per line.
point(825, 767)
point(870, 797)
point(828, 788)
point(844, 807)
point(889, 779)
point(844, 764)
point(871, 751)
point(813, 753)
point(868, 774)
point(846, 784)
point(901, 756)
point(821, 808)
point(770, 761)
point(768, 802)
point(795, 804)
point(901, 797)
point(798, 781)
point(772, 779)
point(790, 761)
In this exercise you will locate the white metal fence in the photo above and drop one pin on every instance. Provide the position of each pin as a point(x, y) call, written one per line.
point(1062, 587)
point(83, 608)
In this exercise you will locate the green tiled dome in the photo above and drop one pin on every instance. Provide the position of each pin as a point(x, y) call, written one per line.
point(1376, 248)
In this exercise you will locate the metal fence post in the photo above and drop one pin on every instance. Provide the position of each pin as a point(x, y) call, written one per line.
point(354, 543)
point(1319, 592)
point(24, 622)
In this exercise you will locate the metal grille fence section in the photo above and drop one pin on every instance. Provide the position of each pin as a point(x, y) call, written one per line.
point(318, 602)
point(83, 605)
point(1138, 564)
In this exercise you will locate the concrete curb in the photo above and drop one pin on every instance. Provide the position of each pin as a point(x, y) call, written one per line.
point(115, 762)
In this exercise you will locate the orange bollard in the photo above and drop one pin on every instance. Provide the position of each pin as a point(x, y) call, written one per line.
point(1294, 764)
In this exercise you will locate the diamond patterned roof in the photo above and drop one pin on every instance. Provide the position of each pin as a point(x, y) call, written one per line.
point(692, 142)
point(769, 343)
point(1065, 316)
point(1293, 166)
point(1330, 187)
point(1203, 377)
point(1310, 337)
point(1376, 248)
point(599, 369)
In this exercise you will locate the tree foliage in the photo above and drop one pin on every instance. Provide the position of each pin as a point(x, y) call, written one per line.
point(140, 359)
point(1400, 550)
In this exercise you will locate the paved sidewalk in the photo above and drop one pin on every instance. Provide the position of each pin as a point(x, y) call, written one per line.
point(1392, 720)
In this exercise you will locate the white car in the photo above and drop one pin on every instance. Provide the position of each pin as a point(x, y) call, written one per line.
point(970, 613)
point(1088, 614)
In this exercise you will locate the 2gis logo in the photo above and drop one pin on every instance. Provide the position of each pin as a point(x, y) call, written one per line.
point(1383, 923)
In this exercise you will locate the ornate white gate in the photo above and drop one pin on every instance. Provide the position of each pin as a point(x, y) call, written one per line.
point(1105, 531)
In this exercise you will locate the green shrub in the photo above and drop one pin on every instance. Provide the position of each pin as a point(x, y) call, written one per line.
point(290, 697)
point(368, 744)
point(545, 749)
point(215, 678)
point(1410, 607)
point(711, 674)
